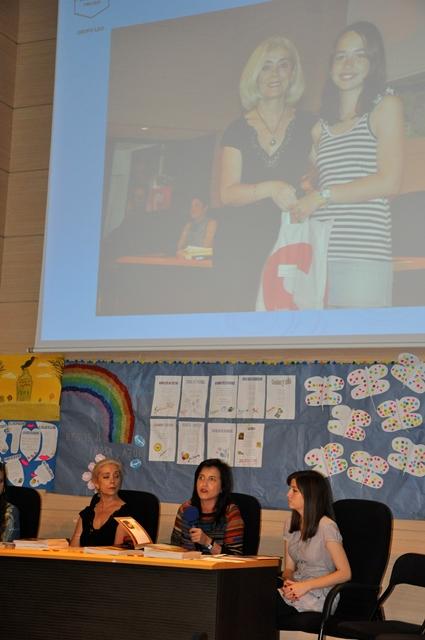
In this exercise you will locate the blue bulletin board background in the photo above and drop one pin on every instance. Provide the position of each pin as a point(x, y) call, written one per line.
point(362, 425)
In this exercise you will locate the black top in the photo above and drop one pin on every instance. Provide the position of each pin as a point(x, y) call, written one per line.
point(246, 234)
point(91, 537)
point(289, 161)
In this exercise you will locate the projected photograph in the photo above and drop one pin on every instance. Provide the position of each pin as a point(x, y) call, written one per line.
point(263, 172)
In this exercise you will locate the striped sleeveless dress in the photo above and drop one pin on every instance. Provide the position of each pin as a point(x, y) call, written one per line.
point(362, 230)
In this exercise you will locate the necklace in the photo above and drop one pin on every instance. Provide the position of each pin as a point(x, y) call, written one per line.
point(274, 131)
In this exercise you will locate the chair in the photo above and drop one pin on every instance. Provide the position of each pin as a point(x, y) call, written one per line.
point(408, 569)
point(145, 509)
point(366, 527)
point(28, 502)
point(250, 510)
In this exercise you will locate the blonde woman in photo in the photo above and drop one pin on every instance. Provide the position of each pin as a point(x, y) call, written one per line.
point(265, 154)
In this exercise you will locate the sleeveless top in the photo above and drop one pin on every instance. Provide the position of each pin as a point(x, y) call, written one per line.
point(196, 233)
point(361, 230)
point(105, 535)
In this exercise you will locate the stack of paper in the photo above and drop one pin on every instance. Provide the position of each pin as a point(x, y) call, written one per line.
point(169, 551)
point(41, 543)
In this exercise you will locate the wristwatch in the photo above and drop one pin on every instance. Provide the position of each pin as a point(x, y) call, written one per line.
point(326, 195)
point(210, 545)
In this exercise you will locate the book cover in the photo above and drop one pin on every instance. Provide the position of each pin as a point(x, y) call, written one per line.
point(138, 535)
point(169, 551)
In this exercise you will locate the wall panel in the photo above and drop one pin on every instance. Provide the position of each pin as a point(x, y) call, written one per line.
point(30, 146)
point(20, 278)
point(17, 326)
point(9, 18)
point(3, 199)
point(35, 68)
point(6, 115)
point(26, 203)
point(37, 19)
point(7, 69)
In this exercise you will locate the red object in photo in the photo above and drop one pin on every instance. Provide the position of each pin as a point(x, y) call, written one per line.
point(159, 198)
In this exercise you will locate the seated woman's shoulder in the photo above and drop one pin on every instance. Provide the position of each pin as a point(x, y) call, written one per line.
point(326, 522)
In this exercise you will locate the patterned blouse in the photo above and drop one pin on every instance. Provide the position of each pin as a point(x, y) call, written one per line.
point(228, 533)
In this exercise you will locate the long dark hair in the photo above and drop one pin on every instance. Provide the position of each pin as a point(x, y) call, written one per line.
point(375, 82)
point(223, 498)
point(317, 494)
point(3, 500)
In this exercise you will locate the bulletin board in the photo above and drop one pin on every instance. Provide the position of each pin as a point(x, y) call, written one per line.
point(30, 391)
point(361, 425)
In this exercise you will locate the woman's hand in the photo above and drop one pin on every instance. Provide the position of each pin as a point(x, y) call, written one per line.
point(283, 195)
point(306, 206)
point(199, 537)
point(294, 590)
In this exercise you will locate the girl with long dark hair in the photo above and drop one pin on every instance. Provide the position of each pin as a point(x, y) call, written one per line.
point(315, 559)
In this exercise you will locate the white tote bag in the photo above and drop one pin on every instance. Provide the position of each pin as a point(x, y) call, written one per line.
point(294, 275)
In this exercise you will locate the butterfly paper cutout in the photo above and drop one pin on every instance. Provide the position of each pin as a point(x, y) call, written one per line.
point(367, 469)
point(323, 390)
point(349, 422)
point(410, 457)
point(368, 381)
point(410, 371)
point(400, 414)
point(327, 459)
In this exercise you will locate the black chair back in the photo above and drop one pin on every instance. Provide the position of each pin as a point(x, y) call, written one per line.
point(28, 502)
point(145, 509)
point(250, 510)
point(366, 529)
point(408, 569)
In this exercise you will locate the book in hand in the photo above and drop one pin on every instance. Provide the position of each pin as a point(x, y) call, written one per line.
point(169, 551)
point(138, 535)
point(41, 543)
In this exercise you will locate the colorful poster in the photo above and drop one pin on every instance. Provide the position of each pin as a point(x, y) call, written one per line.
point(30, 386)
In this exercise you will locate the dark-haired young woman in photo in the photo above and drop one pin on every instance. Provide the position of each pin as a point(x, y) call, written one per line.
point(358, 151)
point(315, 559)
point(209, 521)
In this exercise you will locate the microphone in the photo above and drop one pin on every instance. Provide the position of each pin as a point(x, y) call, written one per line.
point(191, 517)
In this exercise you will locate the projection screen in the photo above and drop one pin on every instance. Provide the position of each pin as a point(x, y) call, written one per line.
point(141, 249)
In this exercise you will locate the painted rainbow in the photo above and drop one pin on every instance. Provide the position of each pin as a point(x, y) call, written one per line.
point(108, 395)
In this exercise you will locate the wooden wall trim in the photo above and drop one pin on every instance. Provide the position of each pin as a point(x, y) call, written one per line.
point(37, 19)
point(8, 54)
point(9, 19)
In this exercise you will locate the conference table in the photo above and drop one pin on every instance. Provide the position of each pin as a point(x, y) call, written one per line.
point(69, 593)
point(157, 284)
